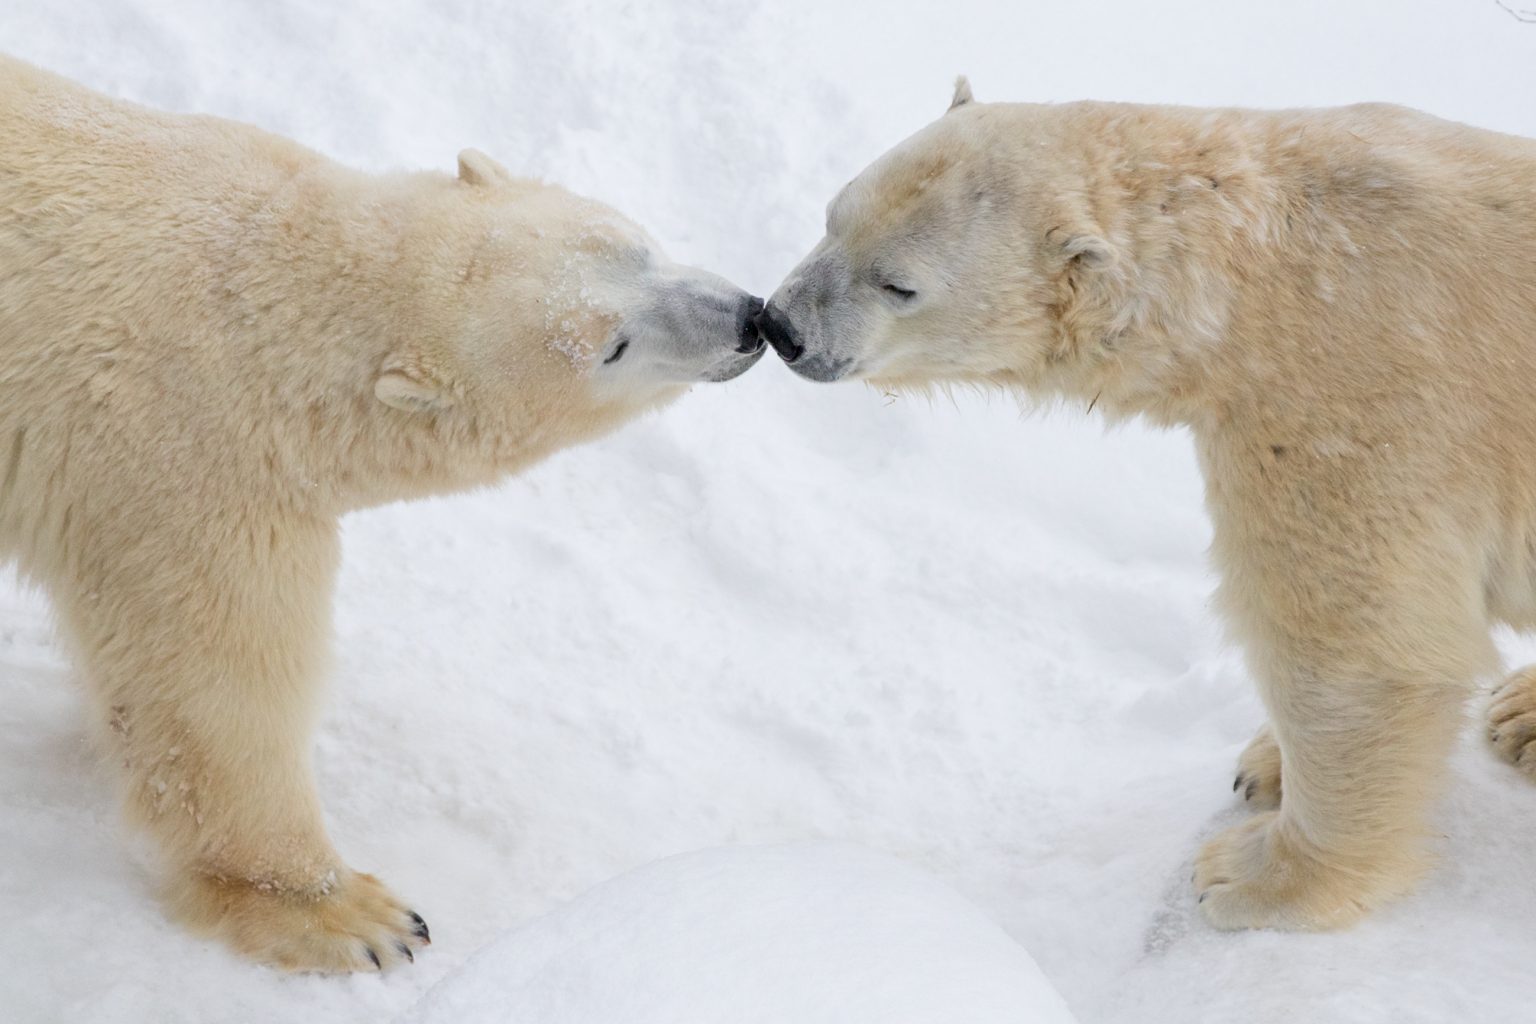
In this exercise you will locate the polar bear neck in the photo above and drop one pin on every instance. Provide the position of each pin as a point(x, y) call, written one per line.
point(1177, 193)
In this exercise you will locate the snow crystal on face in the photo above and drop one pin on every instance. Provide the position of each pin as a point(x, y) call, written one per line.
point(568, 299)
point(565, 339)
point(590, 289)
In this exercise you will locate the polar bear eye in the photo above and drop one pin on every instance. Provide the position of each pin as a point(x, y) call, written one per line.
point(618, 351)
point(904, 294)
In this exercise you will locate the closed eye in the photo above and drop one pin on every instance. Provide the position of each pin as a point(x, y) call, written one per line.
point(904, 294)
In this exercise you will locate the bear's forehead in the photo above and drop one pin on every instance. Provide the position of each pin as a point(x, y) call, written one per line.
point(888, 188)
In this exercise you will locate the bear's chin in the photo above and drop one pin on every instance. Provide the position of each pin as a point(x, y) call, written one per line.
point(733, 369)
point(822, 369)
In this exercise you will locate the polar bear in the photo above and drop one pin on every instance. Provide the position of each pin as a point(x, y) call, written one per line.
point(1339, 306)
point(214, 342)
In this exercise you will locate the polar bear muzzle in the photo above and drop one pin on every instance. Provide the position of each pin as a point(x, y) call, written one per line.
point(684, 326)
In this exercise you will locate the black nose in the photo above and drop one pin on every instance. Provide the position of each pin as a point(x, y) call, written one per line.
point(749, 341)
point(780, 334)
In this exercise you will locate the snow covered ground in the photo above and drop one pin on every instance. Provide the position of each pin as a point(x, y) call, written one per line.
point(809, 933)
point(971, 639)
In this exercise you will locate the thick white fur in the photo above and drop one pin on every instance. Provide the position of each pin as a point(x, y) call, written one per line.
point(214, 342)
point(1340, 306)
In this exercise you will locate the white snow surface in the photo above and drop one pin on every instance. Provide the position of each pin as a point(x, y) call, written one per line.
point(804, 933)
point(976, 640)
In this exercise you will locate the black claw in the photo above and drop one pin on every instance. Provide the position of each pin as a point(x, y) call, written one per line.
point(1253, 787)
point(405, 951)
point(1202, 897)
point(1494, 736)
point(420, 931)
point(375, 958)
point(1237, 782)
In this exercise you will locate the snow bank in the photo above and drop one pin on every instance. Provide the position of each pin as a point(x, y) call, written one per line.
point(806, 933)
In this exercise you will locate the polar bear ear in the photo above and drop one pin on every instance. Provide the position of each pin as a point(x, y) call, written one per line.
point(1089, 251)
point(411, 384)
point(962, 94)
point(1094, 285)
point(475, 168)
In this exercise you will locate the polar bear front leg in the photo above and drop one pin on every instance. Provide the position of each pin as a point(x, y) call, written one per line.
point(1365, 644)
point(1361, 760)
point(207, 663)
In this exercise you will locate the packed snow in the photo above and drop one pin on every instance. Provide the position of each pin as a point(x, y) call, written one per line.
point(806, 933)
point(974, 640)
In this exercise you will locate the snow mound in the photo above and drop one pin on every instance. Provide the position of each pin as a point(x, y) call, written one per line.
point(800, 934)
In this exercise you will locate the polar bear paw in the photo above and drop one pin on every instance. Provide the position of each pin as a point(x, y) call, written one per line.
point(1258, 772)
point(353, 923)
point(1512, 721)
point(1257, 875)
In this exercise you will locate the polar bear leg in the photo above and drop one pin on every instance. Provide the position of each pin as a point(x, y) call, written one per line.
point(206, 657)
point(1349, 834)
point(1512, 720)
point(1364, 677)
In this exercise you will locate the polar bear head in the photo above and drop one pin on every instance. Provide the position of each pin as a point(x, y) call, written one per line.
point(965, 254)
point(552, 297)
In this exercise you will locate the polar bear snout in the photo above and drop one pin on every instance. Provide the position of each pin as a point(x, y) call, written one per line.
point(812, 321)
point(686, 328)
point(790, 344)
point(745, 343)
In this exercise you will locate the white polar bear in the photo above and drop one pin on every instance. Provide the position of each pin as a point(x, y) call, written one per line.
point(1339, 305)
point(214, 342)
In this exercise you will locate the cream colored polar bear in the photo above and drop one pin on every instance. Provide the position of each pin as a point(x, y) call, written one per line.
point(212, 344)
point(1341, 306)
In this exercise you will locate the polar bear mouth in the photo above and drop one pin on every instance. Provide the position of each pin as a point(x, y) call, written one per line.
point(822, 369)
point(735, 368)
